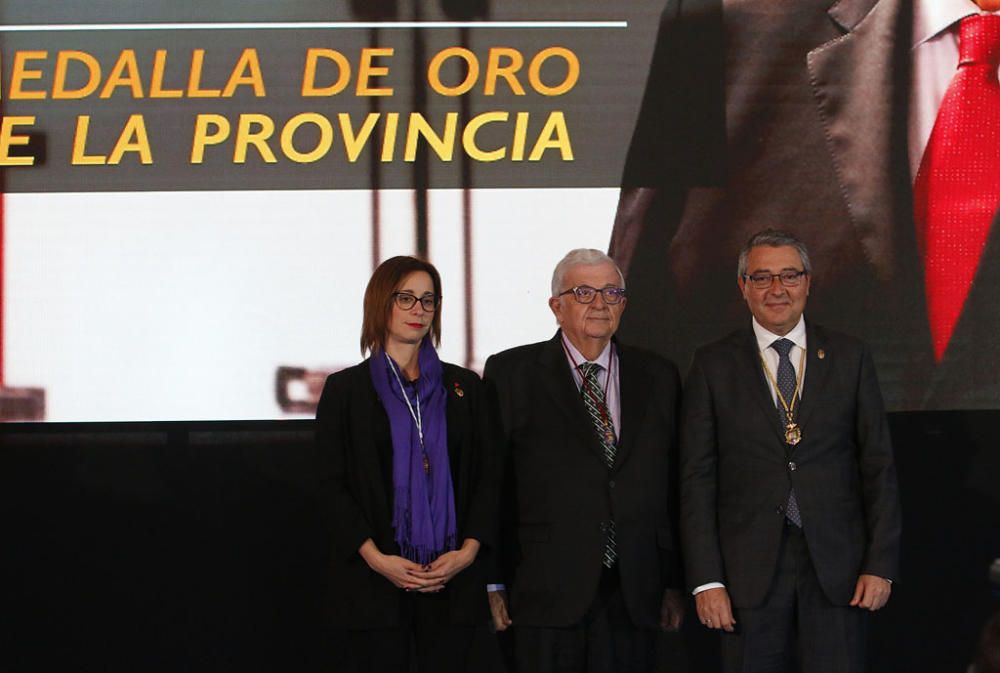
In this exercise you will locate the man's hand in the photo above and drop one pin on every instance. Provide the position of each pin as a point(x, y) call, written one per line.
point(498, 610)
point(714, 609)
point(671, 610)
point(871, 592)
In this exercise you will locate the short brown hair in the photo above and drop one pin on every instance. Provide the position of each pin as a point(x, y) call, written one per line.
point(378, 300)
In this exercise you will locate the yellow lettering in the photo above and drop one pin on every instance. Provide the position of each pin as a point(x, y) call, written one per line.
point(251, 77)
point(245, 137)
point(156, 89)
point(80, 156)
point(469, 137)
point(389, 137)
point(366, 71)
point(355, 143)
point(471, 75)
point(443, 145)
point(20, 73)
point(132, 139)
point(194, 78)
point(508, 72)
point(309, 87)
point(553, 136)
point(520, 137)
point(126, 62)
point(59, 90)
point(209, 129)
point(8, 138)
point(322, 147)
point(572, 71)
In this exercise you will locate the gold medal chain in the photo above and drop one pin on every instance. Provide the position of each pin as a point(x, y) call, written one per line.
point(774, 382)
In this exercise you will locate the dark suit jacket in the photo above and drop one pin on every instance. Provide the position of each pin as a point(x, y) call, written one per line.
point(735, 469)
point(355, 454)
point(791, 115)
point(559, 494)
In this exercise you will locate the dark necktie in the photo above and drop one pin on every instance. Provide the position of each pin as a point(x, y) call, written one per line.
point(786, 384)
point(957, 188)
point(600, 419)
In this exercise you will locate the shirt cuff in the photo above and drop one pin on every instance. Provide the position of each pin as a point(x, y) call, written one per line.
point(706, 587)
point(492, 588)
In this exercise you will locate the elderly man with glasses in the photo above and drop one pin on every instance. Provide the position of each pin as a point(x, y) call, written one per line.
point(587, 541)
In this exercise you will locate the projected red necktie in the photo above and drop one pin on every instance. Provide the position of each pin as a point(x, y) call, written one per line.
point(957, 189)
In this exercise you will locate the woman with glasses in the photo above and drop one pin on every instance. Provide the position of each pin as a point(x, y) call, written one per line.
point(402, 441)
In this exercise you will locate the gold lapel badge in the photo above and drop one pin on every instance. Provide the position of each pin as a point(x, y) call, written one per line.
point(821, 353)
point(458, 390)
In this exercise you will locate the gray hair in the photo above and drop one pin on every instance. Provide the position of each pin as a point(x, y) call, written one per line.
point(773, 238)
point(578, 257)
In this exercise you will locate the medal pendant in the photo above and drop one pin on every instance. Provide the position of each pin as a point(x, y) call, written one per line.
point(793, 434)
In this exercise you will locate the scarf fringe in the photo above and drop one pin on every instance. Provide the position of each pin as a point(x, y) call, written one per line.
point(423, 555)
point(402, 522)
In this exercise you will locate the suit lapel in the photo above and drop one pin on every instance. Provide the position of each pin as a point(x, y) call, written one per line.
point(817, 369)
point(561, 388)
point(860, 82)
point(753, 371)
point(457, 421)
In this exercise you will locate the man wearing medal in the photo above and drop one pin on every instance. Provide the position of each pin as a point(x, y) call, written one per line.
point(790, 517)
point(587, 543)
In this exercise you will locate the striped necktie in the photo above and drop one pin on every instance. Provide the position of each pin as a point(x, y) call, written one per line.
point(600, 419)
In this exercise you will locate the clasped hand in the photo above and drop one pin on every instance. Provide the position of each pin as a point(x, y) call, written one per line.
point(430, 578)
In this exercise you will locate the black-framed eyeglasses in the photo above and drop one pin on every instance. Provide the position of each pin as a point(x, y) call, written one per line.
point(762, 281)
point(584, 294)
point(405, 301)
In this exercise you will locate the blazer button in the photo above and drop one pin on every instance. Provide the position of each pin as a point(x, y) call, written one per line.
point(611, 484)
point(792, 466)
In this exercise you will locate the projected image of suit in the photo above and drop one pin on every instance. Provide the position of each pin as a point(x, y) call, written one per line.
point(850, 122)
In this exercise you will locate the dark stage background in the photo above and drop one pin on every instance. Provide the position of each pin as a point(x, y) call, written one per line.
point(198, 547)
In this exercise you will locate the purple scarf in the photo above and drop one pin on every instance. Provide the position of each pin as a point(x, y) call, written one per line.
point(424, 504)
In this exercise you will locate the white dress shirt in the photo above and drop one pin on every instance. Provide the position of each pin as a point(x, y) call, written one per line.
point(798, 337)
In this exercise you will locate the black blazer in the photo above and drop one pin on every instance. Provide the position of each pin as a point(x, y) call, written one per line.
point(558, 493)
point(736, 469)
point(355, 455)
